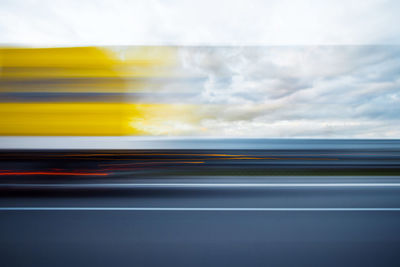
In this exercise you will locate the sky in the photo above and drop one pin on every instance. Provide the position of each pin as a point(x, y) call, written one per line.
point(312, 69)
point(207, 22)
point(297, 91)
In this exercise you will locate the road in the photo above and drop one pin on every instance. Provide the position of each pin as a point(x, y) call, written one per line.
point(202, 221)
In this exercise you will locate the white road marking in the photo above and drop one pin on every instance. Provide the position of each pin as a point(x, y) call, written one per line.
point(185, 209)
point(193, 185)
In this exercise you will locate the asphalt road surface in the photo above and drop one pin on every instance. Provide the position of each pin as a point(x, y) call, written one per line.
point(205, 202)
point(203, 221)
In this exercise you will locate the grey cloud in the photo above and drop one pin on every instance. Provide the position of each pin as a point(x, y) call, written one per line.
point(339, 91)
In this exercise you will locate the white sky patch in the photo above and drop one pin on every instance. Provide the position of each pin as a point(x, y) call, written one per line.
point(207, 22)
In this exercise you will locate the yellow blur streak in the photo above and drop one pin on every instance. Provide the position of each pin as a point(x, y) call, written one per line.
point(82, 69)
point(91, 119)
point(166, 119)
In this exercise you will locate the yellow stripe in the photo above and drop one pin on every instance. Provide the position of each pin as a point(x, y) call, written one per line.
point(82, 69)
point(91, 119)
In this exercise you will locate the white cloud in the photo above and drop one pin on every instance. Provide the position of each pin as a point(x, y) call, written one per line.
point(207, 22)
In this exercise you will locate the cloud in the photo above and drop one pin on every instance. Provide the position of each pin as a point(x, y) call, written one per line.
point(207, 22)
point(301, 91)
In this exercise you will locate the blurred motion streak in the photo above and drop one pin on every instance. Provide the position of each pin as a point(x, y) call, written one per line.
point(87, 91)
point(54, 173)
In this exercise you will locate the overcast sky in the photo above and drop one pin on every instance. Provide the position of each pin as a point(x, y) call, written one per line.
point(297, 91)
point(314, 69)
point(206, 22)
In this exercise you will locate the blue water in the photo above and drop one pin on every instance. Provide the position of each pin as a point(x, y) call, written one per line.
point(218, 143)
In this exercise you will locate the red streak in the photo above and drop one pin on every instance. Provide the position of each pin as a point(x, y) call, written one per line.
point(54, 173)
